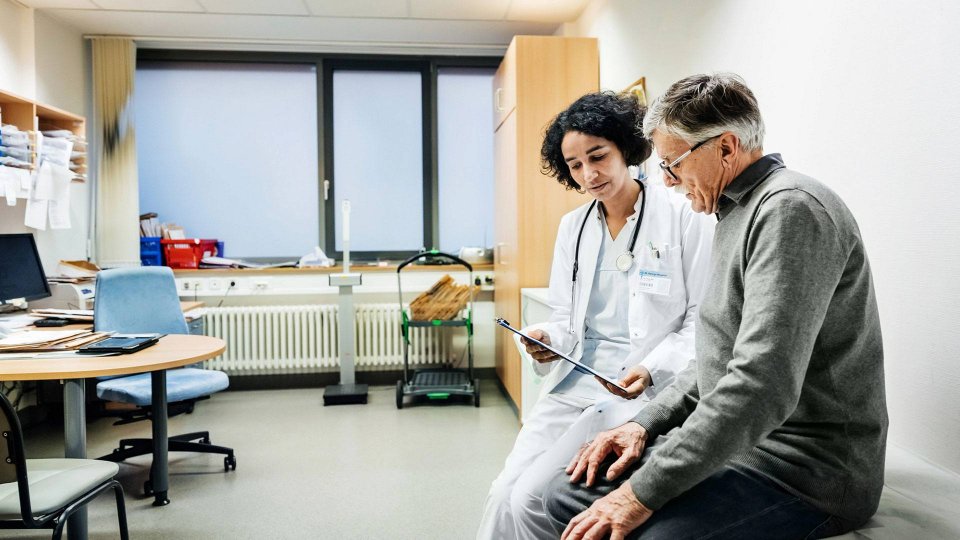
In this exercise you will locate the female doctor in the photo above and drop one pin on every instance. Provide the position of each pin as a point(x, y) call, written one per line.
point(628, 272)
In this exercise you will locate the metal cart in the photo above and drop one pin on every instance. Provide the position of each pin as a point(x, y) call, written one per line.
point(436, 383)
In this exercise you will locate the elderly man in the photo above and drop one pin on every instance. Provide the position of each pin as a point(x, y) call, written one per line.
point(779, 430)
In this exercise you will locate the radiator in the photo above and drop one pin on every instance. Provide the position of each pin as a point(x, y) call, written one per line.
point(304, 339)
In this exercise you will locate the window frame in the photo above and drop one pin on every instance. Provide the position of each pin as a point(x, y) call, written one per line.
point(326, 63)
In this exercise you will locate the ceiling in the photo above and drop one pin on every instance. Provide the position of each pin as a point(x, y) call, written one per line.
point(408, 26)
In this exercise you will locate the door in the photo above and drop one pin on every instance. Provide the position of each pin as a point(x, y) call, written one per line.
point(507, 290)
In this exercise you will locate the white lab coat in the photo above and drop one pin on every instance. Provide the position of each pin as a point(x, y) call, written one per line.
point(661, 338)
point(661, 326)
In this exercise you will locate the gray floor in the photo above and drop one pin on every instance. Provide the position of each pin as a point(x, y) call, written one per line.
point(308, 471)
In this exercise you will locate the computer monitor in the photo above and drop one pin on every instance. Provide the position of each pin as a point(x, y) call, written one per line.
point(21, 273)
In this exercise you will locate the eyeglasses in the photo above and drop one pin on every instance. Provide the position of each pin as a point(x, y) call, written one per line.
point(669, 168)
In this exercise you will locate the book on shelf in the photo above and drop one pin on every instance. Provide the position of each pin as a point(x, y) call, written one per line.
point(149, 225)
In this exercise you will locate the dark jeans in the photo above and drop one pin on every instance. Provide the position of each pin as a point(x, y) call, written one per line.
point(729, 504)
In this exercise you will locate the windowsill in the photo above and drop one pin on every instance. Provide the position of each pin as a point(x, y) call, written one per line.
point(361, 268)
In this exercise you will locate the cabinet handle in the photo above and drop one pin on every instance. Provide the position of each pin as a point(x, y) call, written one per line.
point(499, 252)
point(496, 99)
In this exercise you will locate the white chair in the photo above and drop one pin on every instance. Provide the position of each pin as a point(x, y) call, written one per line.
point(43, 493)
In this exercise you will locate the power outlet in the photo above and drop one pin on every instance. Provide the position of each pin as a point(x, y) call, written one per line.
point(214, 284)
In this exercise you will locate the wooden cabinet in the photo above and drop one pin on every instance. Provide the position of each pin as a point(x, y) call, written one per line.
point(539, 77)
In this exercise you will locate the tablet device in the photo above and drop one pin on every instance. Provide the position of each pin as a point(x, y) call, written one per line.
point(121, 343)
point(582, 368)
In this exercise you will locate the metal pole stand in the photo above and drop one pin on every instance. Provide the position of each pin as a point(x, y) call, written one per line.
point(348, 391)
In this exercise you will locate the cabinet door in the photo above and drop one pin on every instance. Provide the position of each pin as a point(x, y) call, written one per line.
point(507, 290)
point(505, 87)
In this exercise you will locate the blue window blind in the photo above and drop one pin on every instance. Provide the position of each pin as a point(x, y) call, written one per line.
point(465, 157)
point(229, 151)
point(378, 158)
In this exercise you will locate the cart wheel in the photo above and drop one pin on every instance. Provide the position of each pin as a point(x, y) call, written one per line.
point(148, 488)
point(476, 392)
point(399, 394)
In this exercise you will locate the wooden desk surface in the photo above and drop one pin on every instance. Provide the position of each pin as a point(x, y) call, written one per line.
point(190, 306)
point(170, 352)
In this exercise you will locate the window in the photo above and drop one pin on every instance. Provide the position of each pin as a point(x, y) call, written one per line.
point(465, 157)
point(268, 145)
point(229, 151)
point(378, 159)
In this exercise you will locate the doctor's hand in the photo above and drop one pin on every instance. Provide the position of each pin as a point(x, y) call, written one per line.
point(618, 514)
point(626, 441)
point(536, 351)
point(636, 380)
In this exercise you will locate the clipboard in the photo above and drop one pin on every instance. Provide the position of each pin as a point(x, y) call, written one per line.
point(121, 344)
point(577, 366)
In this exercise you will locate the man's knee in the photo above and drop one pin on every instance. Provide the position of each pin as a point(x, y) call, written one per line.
point(559, 501)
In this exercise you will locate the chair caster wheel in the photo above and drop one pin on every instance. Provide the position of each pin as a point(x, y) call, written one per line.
point(205, 440)
point(148, 488)
point(229, 462)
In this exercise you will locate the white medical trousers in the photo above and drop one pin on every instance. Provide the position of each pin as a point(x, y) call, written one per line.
point(558, 426)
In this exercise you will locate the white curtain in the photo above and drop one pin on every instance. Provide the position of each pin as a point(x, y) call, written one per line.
point(117, 191)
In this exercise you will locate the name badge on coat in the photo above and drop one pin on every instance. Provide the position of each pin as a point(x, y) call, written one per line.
point(656, 283)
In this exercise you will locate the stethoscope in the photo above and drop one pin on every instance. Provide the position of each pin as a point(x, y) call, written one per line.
point(624, 261)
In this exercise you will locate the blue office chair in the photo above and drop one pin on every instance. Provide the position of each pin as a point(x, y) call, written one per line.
point(144, 300)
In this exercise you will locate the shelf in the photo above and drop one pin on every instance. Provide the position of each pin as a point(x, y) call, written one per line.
point(17, 111)
point(30, 116)
point(54, 114)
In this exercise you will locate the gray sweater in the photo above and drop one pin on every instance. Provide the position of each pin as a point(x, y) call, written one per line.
point(788, 380)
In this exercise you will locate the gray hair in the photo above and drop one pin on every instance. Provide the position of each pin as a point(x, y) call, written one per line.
point(702, 106)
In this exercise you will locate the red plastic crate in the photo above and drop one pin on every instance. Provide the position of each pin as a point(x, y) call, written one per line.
point(187, 252)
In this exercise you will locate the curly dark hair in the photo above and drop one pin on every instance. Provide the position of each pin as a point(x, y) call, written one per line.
point(615, 117)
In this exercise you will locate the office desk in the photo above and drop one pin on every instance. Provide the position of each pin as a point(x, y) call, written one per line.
point(170, 352)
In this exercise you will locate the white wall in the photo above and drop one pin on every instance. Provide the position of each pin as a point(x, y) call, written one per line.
point(61, 63)
point(17, 74)
point(43, 59)
point(860, 94)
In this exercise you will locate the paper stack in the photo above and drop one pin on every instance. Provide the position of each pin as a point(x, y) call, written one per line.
point(76, 315)
point(48, 340)
point(149, 225)
point(223, 262)
point(67, 149)
point(74, 272)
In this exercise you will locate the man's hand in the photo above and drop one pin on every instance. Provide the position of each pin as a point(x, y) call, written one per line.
point(616, 514)
point(536, 351)
point(627, 441)
point(635, 381)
